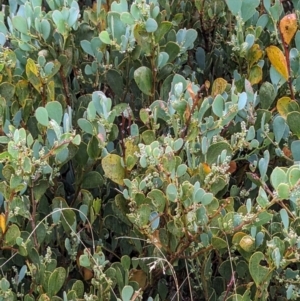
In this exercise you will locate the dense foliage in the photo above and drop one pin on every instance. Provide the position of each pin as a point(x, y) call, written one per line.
point(150, 150)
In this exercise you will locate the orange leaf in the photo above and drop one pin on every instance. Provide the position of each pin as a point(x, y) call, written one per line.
point(218, 86)
point(286, 105)
point(278, 61)
point(206, 168)
point(254, 54)
point(288, 27)
point(2, 223)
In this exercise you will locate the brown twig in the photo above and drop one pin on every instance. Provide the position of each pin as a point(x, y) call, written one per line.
point(65, 86)
point(230, 285)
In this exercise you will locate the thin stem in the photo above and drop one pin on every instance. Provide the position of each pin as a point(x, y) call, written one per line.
point(65, 86)
point(32, 219)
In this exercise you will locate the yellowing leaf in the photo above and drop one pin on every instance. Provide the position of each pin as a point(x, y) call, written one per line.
point(254, 54)
point(50, 91)
point(113, 168)
point(286, 105)
point(247, 243)
point(278, 61)
point(207, 84)
point(218, 86)
point(33, 74)
point(138, 276)
point(2, 223)
point(130, 156)
point(288, 27)
point(255, 75)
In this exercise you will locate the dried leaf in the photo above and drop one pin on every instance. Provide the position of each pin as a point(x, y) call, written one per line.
point(287, 152)
point(232, 167)
point(190, 90)
point(278, 60)
point(218, 86)
point(288, 27)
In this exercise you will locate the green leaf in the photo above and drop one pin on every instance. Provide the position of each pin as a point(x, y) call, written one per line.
point(267, 95)
point(86, 126)
point(91, 180)
point(55, 111)
point(45, 29)
point(173, 50)
point(218, 243)
point(7, 91)
point(56, 281)
point(11, 235)
point(151, 25)
point(158, 199)
point(41, 114)
point(218, 105)
point(113, 77)
point(78, 287)
point(234, 5)
point(144, 80)
point(162, 29)
point(93, 149)
point(113, 168)
point(248, 8)
point(104, 37)
point(295, 149)
point(283, 191)
point(285, 219)
point(262, 198)
point(20, 24)
point(171, 192)
point(278, 176)
point(258, 272)
point(279, 126)
point(292, 119)
point(87, 48)
point(215, 150)
point(127, 18)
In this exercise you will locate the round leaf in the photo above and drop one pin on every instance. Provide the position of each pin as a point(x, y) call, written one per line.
point(151, 25)
point(41, 115)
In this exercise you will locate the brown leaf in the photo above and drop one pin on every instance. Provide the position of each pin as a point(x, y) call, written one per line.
point(232, 167)
point(287, 152)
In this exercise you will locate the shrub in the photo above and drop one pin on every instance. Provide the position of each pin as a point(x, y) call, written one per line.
point(149, 150)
